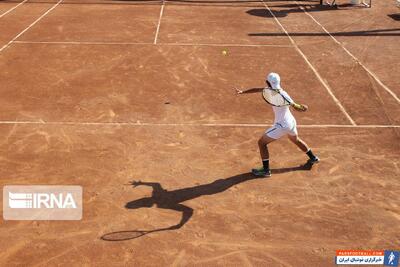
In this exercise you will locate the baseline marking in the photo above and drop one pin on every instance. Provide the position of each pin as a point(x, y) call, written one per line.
point(159, 22)
point(159, 44)
point(373, 75)
point(10, 10)
point(134, 124)
point(226, 45)
point(80, 43)
point(311, 66)
point(30, 26)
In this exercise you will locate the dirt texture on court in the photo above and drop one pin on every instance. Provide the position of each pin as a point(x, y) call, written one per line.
point(99, 94)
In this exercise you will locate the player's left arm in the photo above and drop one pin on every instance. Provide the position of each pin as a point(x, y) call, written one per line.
point(156, 186)
point(248, 91)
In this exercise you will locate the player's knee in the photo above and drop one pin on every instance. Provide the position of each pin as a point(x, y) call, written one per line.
point(261, 142)
point(294, 138)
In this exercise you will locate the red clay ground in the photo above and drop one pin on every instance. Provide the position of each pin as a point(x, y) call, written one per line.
point(83, 95)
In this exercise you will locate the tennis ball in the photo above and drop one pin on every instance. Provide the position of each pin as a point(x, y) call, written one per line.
point(224, 52)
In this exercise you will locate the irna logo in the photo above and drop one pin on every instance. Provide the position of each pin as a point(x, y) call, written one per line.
point(41, 200)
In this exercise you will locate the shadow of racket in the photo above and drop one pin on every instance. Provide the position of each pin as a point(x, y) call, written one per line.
point(124, 235)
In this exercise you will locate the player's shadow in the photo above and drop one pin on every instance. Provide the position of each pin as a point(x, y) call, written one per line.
point(172, 200)
point(304, 167)
point(395, 16)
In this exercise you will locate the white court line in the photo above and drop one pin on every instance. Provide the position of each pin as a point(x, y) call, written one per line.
point(226, 45)
point(30, 26)
point(8, 11)
point(354, 57)
point(133, 124)
point(159, 44)
point(311, 66)
point(159, 22)
point(80, 43)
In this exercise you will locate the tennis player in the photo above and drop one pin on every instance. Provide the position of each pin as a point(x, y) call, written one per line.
point(284, 124)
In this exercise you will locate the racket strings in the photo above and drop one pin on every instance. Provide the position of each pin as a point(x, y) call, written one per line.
point(274, 97)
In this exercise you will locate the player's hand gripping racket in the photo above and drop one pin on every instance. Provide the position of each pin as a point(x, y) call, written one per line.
point(274, 97)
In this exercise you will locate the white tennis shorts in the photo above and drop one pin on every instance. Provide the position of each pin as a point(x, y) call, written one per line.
point(280, 129)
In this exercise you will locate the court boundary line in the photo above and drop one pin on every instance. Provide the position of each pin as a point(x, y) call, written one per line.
point(134, 124)
point(82, 43)
point(373, 75)
point(311, 66)
point(30, 26)
point(159, 22)
point(147, 43)
point(12, 9)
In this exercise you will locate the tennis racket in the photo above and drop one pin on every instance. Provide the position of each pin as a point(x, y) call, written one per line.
point(274, 97)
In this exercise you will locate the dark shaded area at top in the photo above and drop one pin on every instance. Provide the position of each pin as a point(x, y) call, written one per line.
point(294, 8)
point(232, 3)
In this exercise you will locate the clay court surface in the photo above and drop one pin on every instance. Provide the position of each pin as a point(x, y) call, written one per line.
point(101, 93)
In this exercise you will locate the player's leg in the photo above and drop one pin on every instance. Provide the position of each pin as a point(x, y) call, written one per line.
point(270, 135)
point(263, 146)
point(263, 142)
point(304, 147)
point(298, 142)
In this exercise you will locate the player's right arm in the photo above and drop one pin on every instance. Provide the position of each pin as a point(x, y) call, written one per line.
point(299, 107)
point(296, 106)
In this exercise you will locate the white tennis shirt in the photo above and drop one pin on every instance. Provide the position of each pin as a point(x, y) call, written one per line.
point(283, 114)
